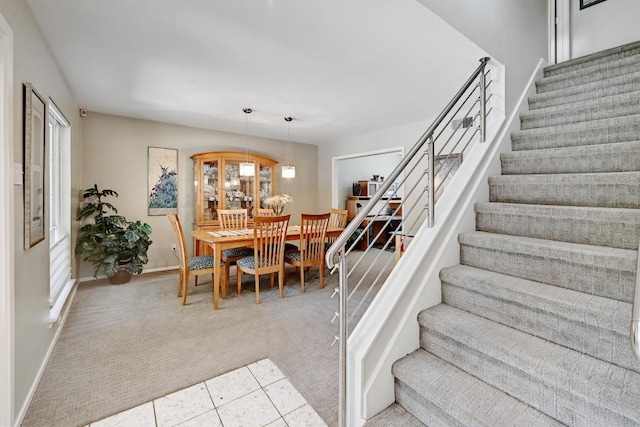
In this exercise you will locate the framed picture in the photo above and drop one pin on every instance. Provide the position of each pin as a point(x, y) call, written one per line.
point(34, 165)
point(163, 181)
point(444, 167)
point(587, 3)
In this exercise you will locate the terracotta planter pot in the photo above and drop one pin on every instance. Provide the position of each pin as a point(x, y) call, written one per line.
point(121, 277)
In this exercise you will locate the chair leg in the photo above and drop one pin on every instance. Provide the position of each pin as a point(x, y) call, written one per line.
point(196, 280)
point(238, 279)
point(271, 279)
point(281, 282)
point(302, 270)
point(321, 275)
point(180, 279)
point(257, 277)
point(185, 290)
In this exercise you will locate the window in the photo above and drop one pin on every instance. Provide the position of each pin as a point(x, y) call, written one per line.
point(59, 153)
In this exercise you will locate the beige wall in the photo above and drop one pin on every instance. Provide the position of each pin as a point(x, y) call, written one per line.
point(33, 63)
point(115, 156)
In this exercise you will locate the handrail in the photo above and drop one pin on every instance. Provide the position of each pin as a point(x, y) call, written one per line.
point(353, 225)
point(635, 314)
point(338, 248)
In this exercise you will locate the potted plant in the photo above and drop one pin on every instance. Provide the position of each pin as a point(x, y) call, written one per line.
point(111, 243)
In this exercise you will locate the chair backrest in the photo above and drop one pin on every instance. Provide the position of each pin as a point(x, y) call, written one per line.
point(338, 219)
point(233, 219)
point(268, 240)
point(181, 243)
point(312, 236)
point(266, 212)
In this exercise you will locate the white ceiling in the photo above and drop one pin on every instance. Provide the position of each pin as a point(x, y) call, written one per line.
point(339, 68)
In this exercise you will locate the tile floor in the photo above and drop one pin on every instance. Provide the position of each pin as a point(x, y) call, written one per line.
point(254, 395)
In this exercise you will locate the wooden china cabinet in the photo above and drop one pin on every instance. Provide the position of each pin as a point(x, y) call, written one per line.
point(218, 184)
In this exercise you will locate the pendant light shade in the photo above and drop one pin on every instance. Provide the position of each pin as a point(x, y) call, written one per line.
point(247, 168)
point(288, 171)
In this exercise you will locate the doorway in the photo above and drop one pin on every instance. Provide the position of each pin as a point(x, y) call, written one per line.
point(355, 167)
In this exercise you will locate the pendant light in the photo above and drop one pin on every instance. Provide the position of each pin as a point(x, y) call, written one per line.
point(288, 171)
point(247, 168)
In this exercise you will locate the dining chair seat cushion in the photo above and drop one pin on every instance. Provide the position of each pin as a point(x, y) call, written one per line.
point(237, 252)
point(201, 262)
point(290, 247)
point(248, 262)
point(293, 256)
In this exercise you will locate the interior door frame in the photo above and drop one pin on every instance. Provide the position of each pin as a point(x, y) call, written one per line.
point(559, 31)
point(6, 231)
point(334, 167)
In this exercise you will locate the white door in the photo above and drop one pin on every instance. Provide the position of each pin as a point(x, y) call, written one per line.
point(559, 31)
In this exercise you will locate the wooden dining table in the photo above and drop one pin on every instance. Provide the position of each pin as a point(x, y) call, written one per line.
point(220, 240)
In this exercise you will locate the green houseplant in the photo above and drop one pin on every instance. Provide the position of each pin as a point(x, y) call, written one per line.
point(111, 243)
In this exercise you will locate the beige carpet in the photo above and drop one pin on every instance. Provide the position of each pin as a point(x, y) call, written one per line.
point(123, 345)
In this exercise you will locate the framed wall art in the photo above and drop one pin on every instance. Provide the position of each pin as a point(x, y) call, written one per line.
point(163, 181)
point(34, 167)
point(587, 3)
point(445, 167)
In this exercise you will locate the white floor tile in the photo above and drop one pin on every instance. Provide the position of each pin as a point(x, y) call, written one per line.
point(182, 405)
point(278, 423)
point(284, 396)
point(252, 410)
point(265, 371)
point(140, 416)
point(304, 417)
point(208, 419)
point(231, 385)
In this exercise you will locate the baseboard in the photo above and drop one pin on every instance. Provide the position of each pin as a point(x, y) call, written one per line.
point(23, 410)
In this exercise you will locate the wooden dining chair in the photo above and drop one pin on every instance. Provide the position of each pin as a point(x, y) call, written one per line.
point(193, 266)
point(265, 212)
point(268, 257)
point(337, 219)
point(313, 229)
point(233, 219)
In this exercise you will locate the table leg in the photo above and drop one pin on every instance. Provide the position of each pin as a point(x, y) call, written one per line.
point(217, 256)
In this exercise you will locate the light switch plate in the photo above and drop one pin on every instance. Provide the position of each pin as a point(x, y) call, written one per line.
point(17, 174)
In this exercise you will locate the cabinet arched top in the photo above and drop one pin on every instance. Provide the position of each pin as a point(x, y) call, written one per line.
point(234, 155)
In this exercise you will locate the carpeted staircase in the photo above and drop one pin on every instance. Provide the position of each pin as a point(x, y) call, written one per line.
point(534, 325)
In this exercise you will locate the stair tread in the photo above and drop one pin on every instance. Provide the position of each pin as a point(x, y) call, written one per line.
point(470, 400)
point(625, 49)
point(591, 324)
point(592, 72)
point(614, 85)
point(394, 416)
point(601, 103)
point(582, 133)
point(522, 364)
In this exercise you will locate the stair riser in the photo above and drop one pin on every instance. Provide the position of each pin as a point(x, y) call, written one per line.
point(618, 106)
point(620, 129)
point(620, 157)
point(615, 86)
point(608, 56)
point(422, 408)
point(545, 319)
point(601, 228)
point(551, 395)
point(609, 277)
point(585, 76)
point(620, 190)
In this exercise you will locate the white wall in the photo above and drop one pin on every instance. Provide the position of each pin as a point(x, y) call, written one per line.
point(604, 25)
point(115, 156)
point(512, 32)
point(33, 62)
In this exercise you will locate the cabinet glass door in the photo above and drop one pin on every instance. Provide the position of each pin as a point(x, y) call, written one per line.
point(265, 184)
point(238, 189)
point(211, 191)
